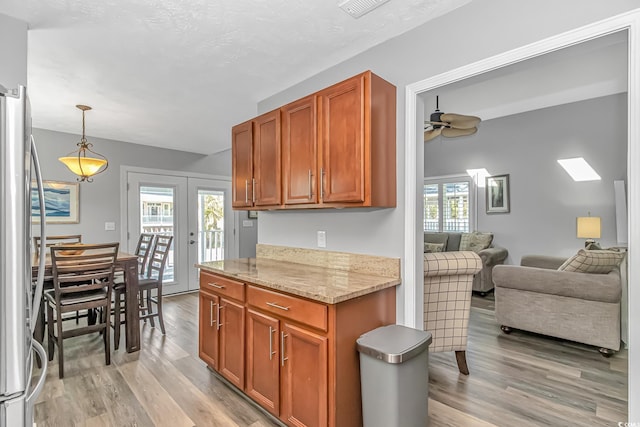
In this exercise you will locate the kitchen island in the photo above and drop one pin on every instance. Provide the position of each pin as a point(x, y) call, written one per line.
point(282, 327)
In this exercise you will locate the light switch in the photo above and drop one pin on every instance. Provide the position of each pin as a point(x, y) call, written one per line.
point(109, 226)
point(247, 223)
point(322, 239)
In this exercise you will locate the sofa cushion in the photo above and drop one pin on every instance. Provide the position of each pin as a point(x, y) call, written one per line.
point(433, 247)
point(475, 241)
point(596, 261)
point(436, 238)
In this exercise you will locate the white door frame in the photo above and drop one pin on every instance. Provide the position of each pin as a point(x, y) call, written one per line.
point(413, 267)
point(124, 170)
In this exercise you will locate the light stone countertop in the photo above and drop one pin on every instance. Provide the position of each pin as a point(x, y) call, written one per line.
point(328, 285)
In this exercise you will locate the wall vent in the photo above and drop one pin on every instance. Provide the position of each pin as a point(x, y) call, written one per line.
point(357, 8)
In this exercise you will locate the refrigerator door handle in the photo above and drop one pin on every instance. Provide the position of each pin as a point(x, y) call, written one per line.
point(31, 399)
point(37, 297)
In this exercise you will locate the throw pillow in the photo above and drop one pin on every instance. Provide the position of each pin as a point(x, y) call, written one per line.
point(477, 241)
point(599, 262)
point(433, 247)
point(464, 242)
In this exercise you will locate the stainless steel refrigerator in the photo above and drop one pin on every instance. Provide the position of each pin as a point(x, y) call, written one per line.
point(19, 297)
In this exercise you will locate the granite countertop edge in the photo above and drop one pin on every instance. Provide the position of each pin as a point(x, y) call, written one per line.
point(336, 295)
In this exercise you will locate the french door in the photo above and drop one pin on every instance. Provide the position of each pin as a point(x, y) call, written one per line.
point(195, 211)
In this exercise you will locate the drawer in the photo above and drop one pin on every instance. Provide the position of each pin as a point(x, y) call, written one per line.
point(307, 312)
point(221, 285)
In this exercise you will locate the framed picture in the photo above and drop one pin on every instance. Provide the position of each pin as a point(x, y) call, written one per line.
point(253, 214)
point(60, 201)
point(497, 191)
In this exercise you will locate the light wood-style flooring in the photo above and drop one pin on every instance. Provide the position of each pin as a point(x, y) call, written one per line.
point(516, 380)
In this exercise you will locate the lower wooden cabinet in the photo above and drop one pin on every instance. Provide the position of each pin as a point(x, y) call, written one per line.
point(304, 377)
point(208, 333)
point(263, 360)
point(231, 341)
point(295, 357)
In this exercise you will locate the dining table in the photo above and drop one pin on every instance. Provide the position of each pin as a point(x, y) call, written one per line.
point(128, 264)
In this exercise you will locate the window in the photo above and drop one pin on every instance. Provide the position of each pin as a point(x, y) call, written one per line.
point(448, 204)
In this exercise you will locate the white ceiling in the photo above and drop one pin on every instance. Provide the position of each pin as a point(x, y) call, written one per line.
point(178, 74)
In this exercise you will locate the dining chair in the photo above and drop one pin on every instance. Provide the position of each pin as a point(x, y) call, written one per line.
point(143, 251)
point(82, 280)
point(153, 281)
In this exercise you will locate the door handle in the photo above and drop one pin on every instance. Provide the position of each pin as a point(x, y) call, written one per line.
point(191, 242)
point(282, 337)
point(271, 352)
point(211, 304)
point(322, 183)
point(220, 307)
point(253, 190)
point(246, 191)
point(310, 186)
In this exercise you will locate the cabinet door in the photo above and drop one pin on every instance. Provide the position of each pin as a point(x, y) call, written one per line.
point(263, 360)
point(231, 331)
point(300, 151)
point(242, 164)
point(343, 141)
point(208, 334)
point(303, 377)
point(266, 160)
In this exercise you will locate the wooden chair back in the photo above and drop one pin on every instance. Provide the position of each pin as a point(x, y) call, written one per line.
point(143, 251)
point(159, 257)
point(79, 271)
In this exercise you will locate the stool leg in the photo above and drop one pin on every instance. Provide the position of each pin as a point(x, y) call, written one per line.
point(461, 358)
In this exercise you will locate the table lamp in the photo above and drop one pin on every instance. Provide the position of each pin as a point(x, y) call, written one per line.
point(588, 227)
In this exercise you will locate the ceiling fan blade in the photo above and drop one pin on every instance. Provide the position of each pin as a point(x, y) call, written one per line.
point(452, 132)
point(460, 121)
point(431, 134)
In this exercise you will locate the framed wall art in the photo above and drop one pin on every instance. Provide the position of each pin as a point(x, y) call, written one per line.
point(60, 200)
point(497, 192)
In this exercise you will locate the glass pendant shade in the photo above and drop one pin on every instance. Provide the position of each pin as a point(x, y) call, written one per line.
point(85, 162)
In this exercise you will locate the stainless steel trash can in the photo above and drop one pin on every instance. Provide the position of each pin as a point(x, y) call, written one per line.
point(394, 376)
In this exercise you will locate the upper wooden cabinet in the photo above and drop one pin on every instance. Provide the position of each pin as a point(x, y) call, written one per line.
point(338, 150)
point(256, 164)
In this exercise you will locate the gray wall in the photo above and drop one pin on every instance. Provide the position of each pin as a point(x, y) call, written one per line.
point(13, 51)
point(472, 32)
point(545, 201)
point(100, 200)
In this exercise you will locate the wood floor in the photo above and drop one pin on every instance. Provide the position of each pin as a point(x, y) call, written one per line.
point(516, 380)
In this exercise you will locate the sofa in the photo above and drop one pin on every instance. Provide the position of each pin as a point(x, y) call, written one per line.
point(574, 305)
point(478, 242)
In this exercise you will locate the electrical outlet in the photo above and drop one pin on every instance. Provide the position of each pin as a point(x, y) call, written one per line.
point(110, 226)
point(322, 239)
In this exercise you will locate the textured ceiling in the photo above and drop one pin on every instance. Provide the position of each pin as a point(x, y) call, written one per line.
point(177, 73)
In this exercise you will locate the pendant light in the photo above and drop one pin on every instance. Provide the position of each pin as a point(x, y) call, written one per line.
point(85, 162)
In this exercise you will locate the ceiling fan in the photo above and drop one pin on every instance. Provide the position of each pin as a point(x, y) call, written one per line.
point(449, 125)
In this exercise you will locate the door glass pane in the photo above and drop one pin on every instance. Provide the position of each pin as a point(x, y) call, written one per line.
point(156, 211)
point(210, 225)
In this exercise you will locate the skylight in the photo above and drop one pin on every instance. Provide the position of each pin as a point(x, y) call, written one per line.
point(579, 169)
point(479, 175)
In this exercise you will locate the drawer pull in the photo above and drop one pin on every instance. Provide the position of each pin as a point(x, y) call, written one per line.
point(273, 304)
point(216, 285)
point(271, 352)
point(282, 358)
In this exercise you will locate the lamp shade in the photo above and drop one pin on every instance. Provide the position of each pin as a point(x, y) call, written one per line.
point(83, 166)
point(588, 227)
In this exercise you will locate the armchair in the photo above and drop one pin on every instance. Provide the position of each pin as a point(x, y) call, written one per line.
point(448, 278)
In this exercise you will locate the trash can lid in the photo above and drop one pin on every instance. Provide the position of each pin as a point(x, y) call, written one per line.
point(393, 343)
